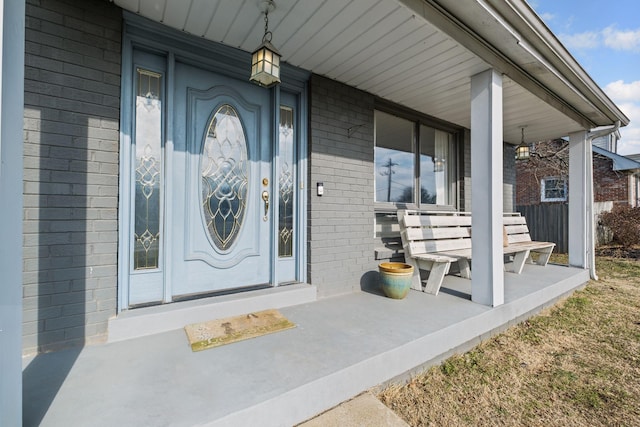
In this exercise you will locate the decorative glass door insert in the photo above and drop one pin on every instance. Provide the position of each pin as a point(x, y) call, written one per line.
point(288, 231)
point(285, 183)
point(148, 167)
point(224, 177)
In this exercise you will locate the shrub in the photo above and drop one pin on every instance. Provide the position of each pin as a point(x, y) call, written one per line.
point(624, 222)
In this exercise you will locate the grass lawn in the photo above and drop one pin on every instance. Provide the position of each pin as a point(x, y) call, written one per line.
point(575, 364)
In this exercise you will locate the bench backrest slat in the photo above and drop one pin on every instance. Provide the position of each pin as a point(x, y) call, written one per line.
point(518, 232)
point(515, 238)
point(427, 246)
point(514, 220)
point(437, 233)
point(517, 229)
point(436, 221)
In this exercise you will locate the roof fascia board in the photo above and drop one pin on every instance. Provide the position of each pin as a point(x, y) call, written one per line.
point(531, 50)
point(436, 15)
point(527, 22)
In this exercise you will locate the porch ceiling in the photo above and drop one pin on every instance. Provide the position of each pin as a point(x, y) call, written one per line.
point(386, 47)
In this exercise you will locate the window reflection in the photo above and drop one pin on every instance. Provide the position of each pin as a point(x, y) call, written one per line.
point(394, 159)
point(398, 169)
point(434, 166)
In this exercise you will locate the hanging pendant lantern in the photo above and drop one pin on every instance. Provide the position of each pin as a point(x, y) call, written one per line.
point(265, 60)
point(522, 150)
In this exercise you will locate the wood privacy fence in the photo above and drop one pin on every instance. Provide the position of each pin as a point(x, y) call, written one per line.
point(548, 223)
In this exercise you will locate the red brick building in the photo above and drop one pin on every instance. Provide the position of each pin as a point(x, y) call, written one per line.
point(543, 178)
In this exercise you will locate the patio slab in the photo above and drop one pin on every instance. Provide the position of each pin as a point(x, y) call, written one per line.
point(341, 346)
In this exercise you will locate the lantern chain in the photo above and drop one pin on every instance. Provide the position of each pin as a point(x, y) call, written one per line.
point(267, 34)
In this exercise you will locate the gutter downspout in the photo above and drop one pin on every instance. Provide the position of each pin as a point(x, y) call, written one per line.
point(591, 135)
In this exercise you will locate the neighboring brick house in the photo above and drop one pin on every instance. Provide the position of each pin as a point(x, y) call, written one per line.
point(616, 178)
point(542, 188)
point(543, 177)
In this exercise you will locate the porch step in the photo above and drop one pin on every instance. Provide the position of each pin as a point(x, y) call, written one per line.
point(162, 318)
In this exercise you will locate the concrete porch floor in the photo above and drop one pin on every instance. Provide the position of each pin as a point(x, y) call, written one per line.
point(341, 346)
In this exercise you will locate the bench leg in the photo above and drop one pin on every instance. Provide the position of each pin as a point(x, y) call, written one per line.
point(416, 283)
point(543, 259)
point(436, 276)
point(519, 259)
point(465, 270)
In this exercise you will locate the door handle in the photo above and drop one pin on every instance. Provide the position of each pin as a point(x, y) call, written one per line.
point(265, 198)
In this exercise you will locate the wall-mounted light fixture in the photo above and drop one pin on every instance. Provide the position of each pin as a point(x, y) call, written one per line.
point(265, 60)
point(522, 150)
point(438, 164)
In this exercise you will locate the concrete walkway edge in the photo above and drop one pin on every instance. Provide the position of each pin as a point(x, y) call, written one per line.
point(362, 410)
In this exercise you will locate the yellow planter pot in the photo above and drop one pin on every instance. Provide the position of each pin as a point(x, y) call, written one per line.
point(395, 279)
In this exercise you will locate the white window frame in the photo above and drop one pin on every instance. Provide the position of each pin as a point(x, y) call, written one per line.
point(543, 192)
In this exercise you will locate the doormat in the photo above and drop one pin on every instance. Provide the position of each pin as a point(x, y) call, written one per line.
point(215, 333)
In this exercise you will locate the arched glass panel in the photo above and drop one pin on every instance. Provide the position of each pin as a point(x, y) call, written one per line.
point(225, 180)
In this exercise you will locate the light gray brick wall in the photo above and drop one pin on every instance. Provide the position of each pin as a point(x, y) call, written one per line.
point(465, 203)
point(71, 125)
point(508, 182)
point(341, 222)
point(509, 178)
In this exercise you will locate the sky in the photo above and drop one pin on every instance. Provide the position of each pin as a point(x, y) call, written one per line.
point(604, 37)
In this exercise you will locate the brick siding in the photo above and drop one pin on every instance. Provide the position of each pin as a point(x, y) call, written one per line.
point(609, 185)
point(528, 184)
point(71, 127)
point(465, 202)
point(508, 180)
point(340, 227)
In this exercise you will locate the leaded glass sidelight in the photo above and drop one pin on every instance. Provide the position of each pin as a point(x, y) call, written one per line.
point(224, 170)
point(285, 183)
point(148, 167)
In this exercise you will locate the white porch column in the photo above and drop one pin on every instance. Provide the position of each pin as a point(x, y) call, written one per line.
point(11, 119)
point(487, 277)
point(579, 161)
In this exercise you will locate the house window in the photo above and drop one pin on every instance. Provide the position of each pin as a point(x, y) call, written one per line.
point(553, 189)
point(394, 159)
point(413, 162)
point(434, 166)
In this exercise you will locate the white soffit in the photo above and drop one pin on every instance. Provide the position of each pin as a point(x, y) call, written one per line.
point(381, 47)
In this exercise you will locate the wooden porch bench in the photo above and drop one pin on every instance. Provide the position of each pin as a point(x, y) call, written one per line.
point(518, 236)
point(433, 241)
